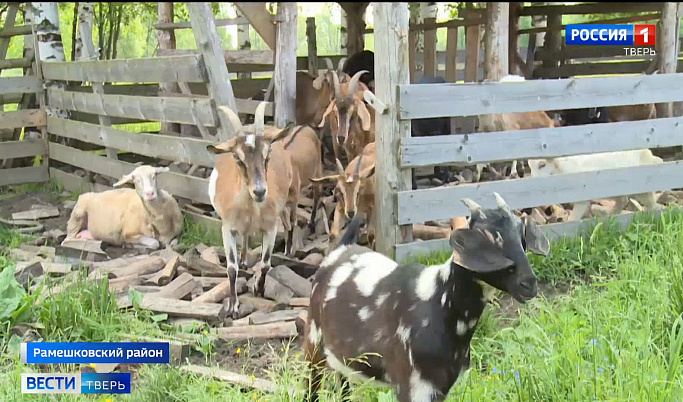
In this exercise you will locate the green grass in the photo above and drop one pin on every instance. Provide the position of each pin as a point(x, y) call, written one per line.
point(615, 335)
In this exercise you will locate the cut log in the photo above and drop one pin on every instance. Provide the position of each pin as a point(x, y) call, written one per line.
point(147, 289)
point(301, 321)
point(121, 284)
point(211, 312)
point(35, 214)
point(200, 267)
point(425, 232)
point(23, 255)
point(265, 331)
point(274, 290)
point(232, 378)
point(319, 245)
point(41, 251)
point(55, 268)
point(165, 276)
point(91, 246)
point(178, 288)
point(300, 286)
point(27, 272)
point(215, 295)
point(261, 317)
point(257, 303)
point(147, 266)
point(299, 302)
point(210, 282)
point(119, 262)
point(210, 254)
point(301, 268)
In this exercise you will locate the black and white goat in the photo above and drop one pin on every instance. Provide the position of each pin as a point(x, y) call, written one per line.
point(413, 323)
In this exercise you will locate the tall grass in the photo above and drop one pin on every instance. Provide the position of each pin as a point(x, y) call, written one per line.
point(617, 334)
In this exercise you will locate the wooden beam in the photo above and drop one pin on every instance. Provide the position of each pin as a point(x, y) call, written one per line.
point(451, 54)
point(472, 49)
point(541, 143)
point(513, 38)
point(553, 39)
point(443, 100)
point(430, 65)
point(668, 38)
point(167, 109)
point(261, 19)
point(285, 64)
point(312, 46)
point(186, 68)
point(391, 63)
point(21, 149)
point(496, 36)
point(20, 85)
point(444, 202)
point(554, 231)
point(578, 69)
point(9, 32)
point(22, 118)
point(33, 174)
point(166, 40)
point(209, 44)
point(170, 26)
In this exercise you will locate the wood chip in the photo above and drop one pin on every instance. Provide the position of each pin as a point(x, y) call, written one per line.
point(265, 331)
point(35, 214)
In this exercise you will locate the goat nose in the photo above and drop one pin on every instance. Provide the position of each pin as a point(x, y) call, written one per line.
point(341, 139)
point(351, 213)
point(260, 193)
point(528, 284)
point(150, 193)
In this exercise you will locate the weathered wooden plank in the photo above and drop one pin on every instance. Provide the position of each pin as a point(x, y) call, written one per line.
point(178, 308)
point(576, 69)
point(72, 182)
point(261, 19)
point(125, 89)
point(22, 118)
point(552, 231)
point(186, 24)
point(496, 37)
point(441, 203)
point(391, 66)
point(10, 20)
point(443, 100)
point(541, 143)
point(180, 185)
point(167, 109)
point(8, 32)
point(20, 85)
point(33, 174)
point(187, 68)
point(249, 106)
point(20, 149)
point(24, 62)
point(451, 54)
point(285, 64)
point(209, 44)
point(180, 149)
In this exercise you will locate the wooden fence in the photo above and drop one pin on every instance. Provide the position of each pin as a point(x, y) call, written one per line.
point(427, 101)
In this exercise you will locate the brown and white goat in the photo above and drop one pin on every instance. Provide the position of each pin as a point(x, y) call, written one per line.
point(355, 191)
point(250, 188)
point(632, 112)
point(411, 325)
point(351, 120)
point(146, 215)
point(512, 122)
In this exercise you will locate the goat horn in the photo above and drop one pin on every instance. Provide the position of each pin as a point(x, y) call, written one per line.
point(337, 89)
point(330, 66)
point(340, 65)
point(234, 120)
point(259, 118)
point(340, 167)
point(360, 160)
point(471, 205)
point(354, 83)
point(500, 201)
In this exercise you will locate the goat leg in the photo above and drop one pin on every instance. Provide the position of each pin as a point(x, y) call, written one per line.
point(337, 223)
point(316, 204)
point(230, 247)
point(579, 210)
point(262, 267)
point(243, 252)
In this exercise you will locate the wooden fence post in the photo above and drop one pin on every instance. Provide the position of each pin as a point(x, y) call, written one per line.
point(312, 46)
point(553, 38)
point(472, 47)
point(209, 45)
point(452, 64)
point(285, 64)
point(430, 60)
point(166, 40)
point(668, 57)
point(391, 65)
point(496, 49)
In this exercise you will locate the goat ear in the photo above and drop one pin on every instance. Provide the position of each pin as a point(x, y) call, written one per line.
point(128, 178)
point(535, 239)
point(283, 133)
point(328, 110)
point(367, 172)
point(223, 147)
point(478, 251)
point(364, 114)
point(330, 178)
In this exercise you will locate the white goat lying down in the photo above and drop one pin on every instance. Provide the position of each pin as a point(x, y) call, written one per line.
point(599, 161)
point(145, 215)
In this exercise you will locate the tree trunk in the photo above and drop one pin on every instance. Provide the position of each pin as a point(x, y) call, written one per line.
point(45, 16)
point(86, 15)
point(74, 34)
point(416, 17)
point(100, 31)
point(343, 38)
point(110, 37)
point(117, 29)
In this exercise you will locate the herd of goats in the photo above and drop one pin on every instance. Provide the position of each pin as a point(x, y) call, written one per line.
point(416, 322)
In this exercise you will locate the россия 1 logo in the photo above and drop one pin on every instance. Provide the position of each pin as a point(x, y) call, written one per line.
point(629, 36)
